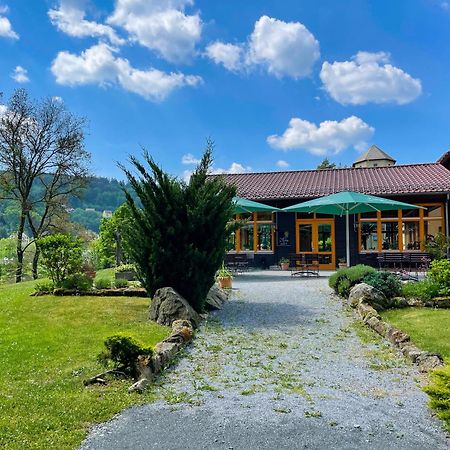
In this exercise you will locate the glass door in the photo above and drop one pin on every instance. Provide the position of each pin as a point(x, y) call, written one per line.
point(315, 239)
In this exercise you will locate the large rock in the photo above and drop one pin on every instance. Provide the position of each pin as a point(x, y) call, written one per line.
point(364, 293)
point(216, 297)
point(167, 306)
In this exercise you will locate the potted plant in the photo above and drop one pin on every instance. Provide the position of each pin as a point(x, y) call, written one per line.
point(224, 278)
point(342, 263)
point(284, 263)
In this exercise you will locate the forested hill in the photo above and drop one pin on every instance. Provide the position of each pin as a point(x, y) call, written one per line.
point(100, 195)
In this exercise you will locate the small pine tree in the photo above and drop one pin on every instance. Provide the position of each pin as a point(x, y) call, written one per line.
point(180, 233)
point(326, 164)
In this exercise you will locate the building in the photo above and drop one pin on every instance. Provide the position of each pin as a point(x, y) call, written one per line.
point(374, 157)
point(268, 237)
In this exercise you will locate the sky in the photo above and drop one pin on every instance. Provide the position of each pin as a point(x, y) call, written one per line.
point(278, 85)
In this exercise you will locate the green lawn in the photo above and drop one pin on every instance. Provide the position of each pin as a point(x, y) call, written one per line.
point(48, 346)
point(429, 330)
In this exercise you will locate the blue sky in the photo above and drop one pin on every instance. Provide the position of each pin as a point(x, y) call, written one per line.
point(277, 85)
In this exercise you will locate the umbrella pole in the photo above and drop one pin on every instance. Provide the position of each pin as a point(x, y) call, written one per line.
point(347, 237)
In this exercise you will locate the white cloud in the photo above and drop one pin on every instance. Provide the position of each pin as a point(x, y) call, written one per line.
point(6, 29)
point(369, 78)
point(160, 25)
point(3, 109)
point(189, 159)
point(330, 137)
point(99, 65)
point(70, 19)
point(285, 48)
point(282, 48)
point(20, 75)
point(234, 168)
point(282, 164)
point(229, 55)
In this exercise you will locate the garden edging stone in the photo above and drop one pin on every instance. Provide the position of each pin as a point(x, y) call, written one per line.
point(369, 315)
point(164, 353)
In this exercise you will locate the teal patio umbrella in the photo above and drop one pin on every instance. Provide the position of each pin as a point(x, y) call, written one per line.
point(242, 205)
point(346, 203)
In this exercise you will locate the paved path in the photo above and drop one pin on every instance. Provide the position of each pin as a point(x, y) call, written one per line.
point(281, 367)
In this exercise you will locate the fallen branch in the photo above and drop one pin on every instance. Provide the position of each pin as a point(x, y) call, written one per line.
point(99, 379)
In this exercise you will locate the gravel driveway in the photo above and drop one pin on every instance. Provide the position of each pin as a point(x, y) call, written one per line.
point(282, 366)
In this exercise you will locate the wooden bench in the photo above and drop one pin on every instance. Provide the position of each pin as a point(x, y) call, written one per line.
point(404, 263)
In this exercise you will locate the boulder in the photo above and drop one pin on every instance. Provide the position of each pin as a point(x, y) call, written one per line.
point(183, 329)
point(364, 293)
point(366, 312)
point(216, 297)
point(167, 306)
point(396, 336)
point(429, 361)
point(378, 325)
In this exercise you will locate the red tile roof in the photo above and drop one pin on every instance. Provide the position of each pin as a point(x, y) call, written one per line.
point(393, 180)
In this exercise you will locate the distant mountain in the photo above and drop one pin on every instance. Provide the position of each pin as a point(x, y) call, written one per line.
point(101, 196)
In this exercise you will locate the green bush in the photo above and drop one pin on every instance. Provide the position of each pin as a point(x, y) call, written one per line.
point(439, 392)
point(44, 286)
point(77, 281)
point(62, 256)
point(121, 353)
point(385, 282)
point(422, 290)
point(180, 229)
point(440, 274)
point(103, 283)
point(120, 283)
point(344, 279)
point(126, 268)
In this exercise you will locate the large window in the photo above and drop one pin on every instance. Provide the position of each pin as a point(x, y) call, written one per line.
point(406, 230)
point(256, 235)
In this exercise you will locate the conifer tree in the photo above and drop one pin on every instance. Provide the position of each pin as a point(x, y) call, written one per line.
point(181, 229)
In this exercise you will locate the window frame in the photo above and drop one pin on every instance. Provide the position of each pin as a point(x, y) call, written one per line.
point(255, 222)
point(421, 218)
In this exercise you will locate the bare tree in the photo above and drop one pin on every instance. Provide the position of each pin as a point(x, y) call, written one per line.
point(43, 162)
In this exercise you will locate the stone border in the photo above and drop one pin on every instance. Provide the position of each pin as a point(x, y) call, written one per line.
point(112, 292)
point(165, 351)
point(425, 360)
point(166, 301)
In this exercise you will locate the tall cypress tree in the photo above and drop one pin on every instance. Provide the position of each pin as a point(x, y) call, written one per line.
point(180, 233)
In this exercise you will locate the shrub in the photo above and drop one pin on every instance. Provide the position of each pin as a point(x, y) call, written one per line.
point(385, 282)
point(62, 255)
point(44, 286)
point(440, 273)
point(439, 392)
point(126, 268)
point(103, 283)
point(423, 290)
point(437, 246)
point(77, 281)
point(121, 353)
point(344, 279)
point(180, 230)
point(120, 283)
